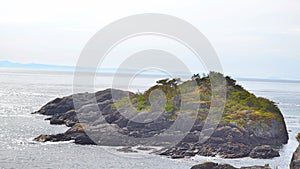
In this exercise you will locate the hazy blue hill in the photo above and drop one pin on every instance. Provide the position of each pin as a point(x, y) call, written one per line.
point(8, 64)
point(109, 71)
point(102, 71)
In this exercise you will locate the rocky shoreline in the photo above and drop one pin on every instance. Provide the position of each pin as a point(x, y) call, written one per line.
point(228, 140)
point(101, 119)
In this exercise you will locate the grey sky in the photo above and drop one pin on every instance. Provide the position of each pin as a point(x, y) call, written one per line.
point(253, 38)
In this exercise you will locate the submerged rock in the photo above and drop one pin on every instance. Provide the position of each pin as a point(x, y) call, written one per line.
point(127, 150)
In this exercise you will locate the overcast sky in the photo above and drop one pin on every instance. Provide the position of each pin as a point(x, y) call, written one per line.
point(253, 38)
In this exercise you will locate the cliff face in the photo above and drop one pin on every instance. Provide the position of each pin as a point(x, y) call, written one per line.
point(249, 126)
point(295, 163)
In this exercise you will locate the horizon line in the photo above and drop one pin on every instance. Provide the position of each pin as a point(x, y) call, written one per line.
point(50, 68)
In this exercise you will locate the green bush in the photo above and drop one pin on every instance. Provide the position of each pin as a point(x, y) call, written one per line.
point(169, 108)
point(238, 99)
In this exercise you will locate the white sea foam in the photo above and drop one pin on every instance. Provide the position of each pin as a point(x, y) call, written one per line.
point(59, 142)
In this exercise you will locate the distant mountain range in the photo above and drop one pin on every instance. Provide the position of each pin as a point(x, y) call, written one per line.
point(8, 64)
point(111, 71)
point(59, 68)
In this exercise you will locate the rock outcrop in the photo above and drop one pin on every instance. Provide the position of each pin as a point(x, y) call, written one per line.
point(264, 151)
point(295, 163)
point(210, 165)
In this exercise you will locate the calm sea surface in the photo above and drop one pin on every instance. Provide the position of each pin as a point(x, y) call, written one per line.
point(23, 92)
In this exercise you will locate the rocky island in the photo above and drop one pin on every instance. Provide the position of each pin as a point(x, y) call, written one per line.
point(249, 126)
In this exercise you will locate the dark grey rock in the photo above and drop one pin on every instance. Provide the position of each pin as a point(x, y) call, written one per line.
point(264, 151)
point(100, 123)
point(145, 148)
point(295, 162)
point(211, 165)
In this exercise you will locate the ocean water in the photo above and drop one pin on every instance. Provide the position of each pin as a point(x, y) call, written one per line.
point(24, 92)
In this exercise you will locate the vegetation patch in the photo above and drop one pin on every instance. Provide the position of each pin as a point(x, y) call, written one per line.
point(241, 107)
